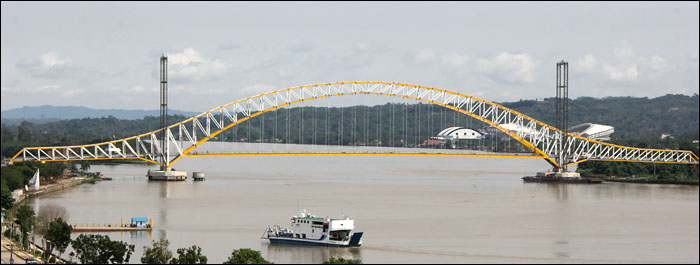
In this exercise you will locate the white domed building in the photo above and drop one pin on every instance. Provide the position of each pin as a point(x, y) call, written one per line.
point(459, 133)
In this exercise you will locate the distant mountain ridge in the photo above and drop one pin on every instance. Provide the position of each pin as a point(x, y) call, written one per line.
point(49, 113)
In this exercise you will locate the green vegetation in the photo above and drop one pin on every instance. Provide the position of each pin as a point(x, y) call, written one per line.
point(100, 249)
point(640, 171)
point(74, 132)
point(59, 235)
point(339, 260)
point(91, 180)
point(84, 165)
point(26, 220)
point(246, 256)
point(158, 254)
point(192, 255)
point(6, 200)
point(50, 225)
point(634, 119)
point(17, 175)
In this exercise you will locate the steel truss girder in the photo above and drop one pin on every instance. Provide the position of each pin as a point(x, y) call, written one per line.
point(184, 136)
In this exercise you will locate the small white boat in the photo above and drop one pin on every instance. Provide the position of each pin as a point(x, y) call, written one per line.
point(307, 229)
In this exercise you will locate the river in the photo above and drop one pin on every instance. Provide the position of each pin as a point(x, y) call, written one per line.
point(411, 210)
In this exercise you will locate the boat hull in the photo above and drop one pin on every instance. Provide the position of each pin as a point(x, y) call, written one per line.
point(354, 241)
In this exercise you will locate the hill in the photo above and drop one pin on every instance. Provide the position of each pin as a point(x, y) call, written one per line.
point(634, 119)
point(47, 113)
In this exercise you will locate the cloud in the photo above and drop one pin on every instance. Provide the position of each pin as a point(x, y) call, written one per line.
point(256, 89)
point(189, 65)
point(424, 55)
point(136, 89)
point(621, 74)
point(47, 65)
point(587, 64)
point(297, 47)
point(625, 65)
point(513, 68)
point(52, 89)
point(455, 60)
point(50, 59)
point(623, 50)
point(658, 63)
point(363, 47)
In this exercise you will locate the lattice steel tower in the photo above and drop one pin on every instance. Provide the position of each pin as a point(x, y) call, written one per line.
point(163, 110)
point(562, 108)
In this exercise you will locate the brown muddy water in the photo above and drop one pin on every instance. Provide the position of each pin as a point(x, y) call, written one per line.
point(411, 210)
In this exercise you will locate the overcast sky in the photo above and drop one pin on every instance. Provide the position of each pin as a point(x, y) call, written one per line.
point(106, 55)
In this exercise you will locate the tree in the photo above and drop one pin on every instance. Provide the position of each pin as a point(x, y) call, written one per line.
point(192, 255)
point(23, 134)
point(59, 235)
point(99, 249)
point(47, 214)
point(339, 260)
point(246, 256)
point(7, 201)
point(26, 221)
point(158, 254)
point(84, 165)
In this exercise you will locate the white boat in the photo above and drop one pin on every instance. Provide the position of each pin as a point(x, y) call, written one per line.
point(307, 229)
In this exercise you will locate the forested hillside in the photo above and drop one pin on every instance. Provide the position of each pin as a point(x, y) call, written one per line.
point(634, 119)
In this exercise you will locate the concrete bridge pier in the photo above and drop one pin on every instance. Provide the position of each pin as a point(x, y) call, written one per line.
point(167, 175)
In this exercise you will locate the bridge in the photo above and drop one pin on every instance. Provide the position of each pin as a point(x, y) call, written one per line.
point(541, 140)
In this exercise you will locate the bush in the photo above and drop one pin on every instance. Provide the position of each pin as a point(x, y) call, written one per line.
point(246, 256)
point(339, 260)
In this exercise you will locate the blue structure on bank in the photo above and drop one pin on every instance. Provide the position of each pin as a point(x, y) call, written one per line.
point(140, 222)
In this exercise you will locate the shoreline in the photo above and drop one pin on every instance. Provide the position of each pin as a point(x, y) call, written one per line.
point(644, 181)
point(60, 185)
point(51, 188)
point(641, 180)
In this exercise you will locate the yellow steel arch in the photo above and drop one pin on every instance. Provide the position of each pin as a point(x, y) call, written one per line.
point(213, 134)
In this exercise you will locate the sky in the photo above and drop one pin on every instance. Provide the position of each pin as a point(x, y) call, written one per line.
point(106, 54)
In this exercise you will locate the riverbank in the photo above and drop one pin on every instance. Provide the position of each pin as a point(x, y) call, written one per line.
point(647, 181)
point(61, 184)
point(644, 179)
point(10, 248)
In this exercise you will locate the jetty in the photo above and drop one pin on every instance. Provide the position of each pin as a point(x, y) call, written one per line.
point(93, 229)
point(137, 224)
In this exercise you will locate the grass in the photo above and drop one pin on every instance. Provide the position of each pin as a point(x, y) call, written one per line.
point(91, 180)
point(643, 178)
